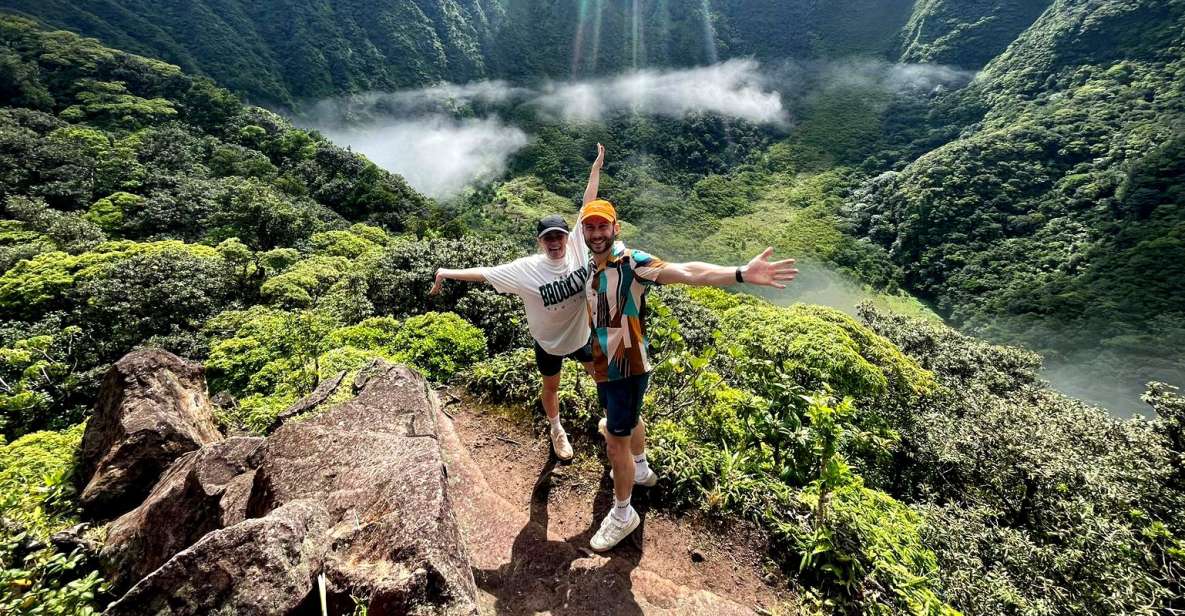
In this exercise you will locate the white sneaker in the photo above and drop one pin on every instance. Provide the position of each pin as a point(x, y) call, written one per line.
point(560, 445)
point(648, 481)
point(613, 531)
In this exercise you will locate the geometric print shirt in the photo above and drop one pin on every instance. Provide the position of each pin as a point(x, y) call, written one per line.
point(616, 297)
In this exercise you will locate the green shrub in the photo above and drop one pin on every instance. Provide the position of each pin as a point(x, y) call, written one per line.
point(40, 377)
point(818, 346)
point(399, 283)
point(42, 283)
point(1036, 503)
point(36, 500)
point(513, 378)
point(440, 344)
point(869, 546)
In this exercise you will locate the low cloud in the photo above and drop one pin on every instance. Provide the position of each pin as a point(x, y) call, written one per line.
point(437, 154)
point(445, 137)
point(431, 137)
point(735, 88)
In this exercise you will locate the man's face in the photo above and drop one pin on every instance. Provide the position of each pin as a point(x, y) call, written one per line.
point(553, 244)
point(599, 234)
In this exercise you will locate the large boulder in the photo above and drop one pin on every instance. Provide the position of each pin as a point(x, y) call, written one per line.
point(382, 528)
point(375, 464)
point(152, 409)
point(201, 492)
point(263, 566)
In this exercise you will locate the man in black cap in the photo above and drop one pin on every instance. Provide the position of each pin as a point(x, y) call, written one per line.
point(551, 285)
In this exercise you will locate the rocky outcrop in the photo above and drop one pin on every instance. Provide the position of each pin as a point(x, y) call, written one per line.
point(375, 463)
point(323, 391)
point(152, 409)
point(261, 566)
point(203, 491)
point(357, 494)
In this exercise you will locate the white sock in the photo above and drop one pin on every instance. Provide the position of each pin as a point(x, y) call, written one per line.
point(555, 423)
point(621, 510)
point(641, 468)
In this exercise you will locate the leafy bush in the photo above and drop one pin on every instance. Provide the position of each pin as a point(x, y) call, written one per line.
point(39, 378)
point(870, 546)
point(402, 276)
point(820, 346)
point(41, 284)
point(512, 378)
point(167, 294)
point(270, 358)
point(35, 481)
point(440, 344)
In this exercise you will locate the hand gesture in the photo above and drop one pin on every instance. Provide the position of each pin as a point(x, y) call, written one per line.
point(771, 274)
point(600, 157)
point(438, 284)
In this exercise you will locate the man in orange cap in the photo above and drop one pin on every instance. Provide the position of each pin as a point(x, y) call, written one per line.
point(616, 294)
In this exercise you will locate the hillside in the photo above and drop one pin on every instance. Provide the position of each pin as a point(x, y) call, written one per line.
point(1056, 218)
point(966, 33)
point(291, 51)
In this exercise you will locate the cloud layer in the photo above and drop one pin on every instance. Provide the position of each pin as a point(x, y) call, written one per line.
point(445, 137)
point(734, 88)
point(438, 155)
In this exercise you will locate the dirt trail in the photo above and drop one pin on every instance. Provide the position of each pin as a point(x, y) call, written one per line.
point(527, 521)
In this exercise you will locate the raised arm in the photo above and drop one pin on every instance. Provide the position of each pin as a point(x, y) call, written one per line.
point(594, 175)
point(760, 271)
point(472, 274)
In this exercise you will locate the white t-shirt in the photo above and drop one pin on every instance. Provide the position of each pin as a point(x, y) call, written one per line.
point(552, 292)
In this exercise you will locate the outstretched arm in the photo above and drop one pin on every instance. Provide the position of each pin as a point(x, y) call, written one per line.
point(760, 271)
point(594, 176)
point(472, 274)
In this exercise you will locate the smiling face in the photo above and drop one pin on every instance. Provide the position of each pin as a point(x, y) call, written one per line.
point(600, 234)
point(553, 244)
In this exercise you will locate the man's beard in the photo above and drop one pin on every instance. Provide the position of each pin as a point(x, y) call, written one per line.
point(609, 242)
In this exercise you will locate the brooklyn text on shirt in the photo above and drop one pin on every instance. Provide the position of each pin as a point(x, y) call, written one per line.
point(561, 290)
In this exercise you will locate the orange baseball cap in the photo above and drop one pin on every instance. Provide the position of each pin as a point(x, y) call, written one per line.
point(598, 208)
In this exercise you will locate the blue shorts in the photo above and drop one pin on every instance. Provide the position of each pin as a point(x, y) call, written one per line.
point(622, 401)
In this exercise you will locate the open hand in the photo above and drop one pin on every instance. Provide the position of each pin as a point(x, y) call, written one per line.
point(762, 271)
point(600, 157)
point(438, 284)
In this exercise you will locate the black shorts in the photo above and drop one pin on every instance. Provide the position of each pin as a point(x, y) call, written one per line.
point(622, 401)
point(549, 365)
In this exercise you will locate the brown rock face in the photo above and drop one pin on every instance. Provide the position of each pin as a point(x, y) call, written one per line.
point(152, 408)
point(262, 566)
point(375, 464)
point(358, 494)
point(202, 491)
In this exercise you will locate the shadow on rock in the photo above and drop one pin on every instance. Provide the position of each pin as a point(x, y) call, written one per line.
point(565, 577)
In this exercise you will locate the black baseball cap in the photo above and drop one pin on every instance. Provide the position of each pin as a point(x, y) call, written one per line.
point(551, 222)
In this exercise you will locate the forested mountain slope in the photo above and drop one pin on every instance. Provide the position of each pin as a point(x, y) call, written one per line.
point(965, 33)
point(284, 51)
point(1058, 217)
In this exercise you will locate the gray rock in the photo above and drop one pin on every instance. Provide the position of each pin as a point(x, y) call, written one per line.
point(375, 463)
point(152, 408)
point(261, 566)
point(202, 491)
point(324, 390)
point(384, 530)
